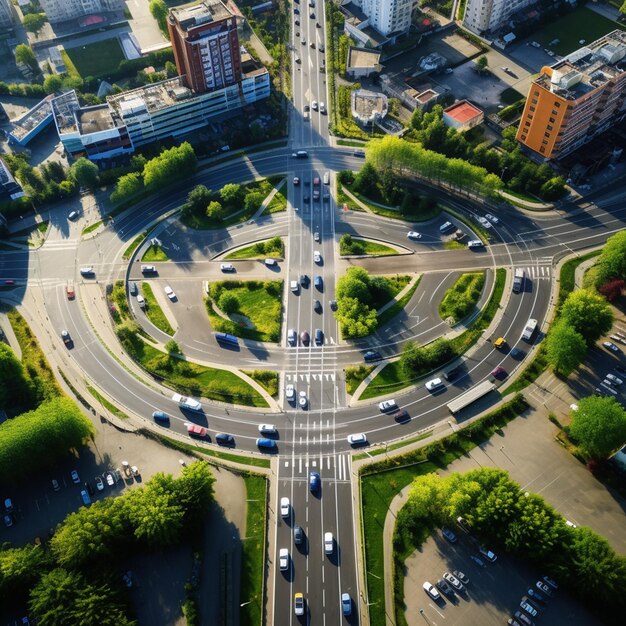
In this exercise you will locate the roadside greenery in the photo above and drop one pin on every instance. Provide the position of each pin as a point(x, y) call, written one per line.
point(398, 306)
point(272, 248)
point(461, 299)
point(38, 438)
point(278, 203)
point(612, 262)
point(268, 379)
point(349, 246)
point(356, 375)
point(155, 254)
point(135, 243)
point(254, 308)
point(383, 480)
point(154, 312)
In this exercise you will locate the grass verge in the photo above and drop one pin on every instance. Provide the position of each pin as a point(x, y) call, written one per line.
point(258, 250)
point(460, 300)
point(154, 312)
point(278, 203)
point(393, 213)
point(111, 408)
point(266, 378)
point(96, 59)
point(387, 315)
point(135, 243)
point(391, 378)
point(253, 552)
point(356, 375)
point(91, 227)
point(382, 481)
point(364, 246)
point(393, 446)
point(154, 254)
point(260, 302)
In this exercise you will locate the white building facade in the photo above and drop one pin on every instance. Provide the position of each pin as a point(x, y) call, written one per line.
point(490, 15)
point(388, 16)
point(63, 10)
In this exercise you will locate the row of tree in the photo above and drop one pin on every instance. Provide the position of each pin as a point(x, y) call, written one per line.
point(74, 579)
point(611, 267)
point(506, 517)
point(36, 439)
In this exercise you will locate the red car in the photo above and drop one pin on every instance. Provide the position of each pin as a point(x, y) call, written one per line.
point(499, 373)
point(195, 431)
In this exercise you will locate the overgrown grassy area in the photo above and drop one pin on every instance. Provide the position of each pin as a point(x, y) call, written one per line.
point(388, 314)
point(395, 284)
point(135, 243)
point(461, 299)
point(273, 248)
point(190, 378)
point(154, 312)
point(95, 59)
point(363, 247)
point(253, 552)
point(266, 378)
point(382, 481)
point(279, 202)
point(260, 302)
point(356, 375)
point(391, 378)
point(111, 408)
point(154, 254)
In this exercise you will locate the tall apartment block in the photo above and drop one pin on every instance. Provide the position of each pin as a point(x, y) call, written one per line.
point(63, 10)
point(6, 14)
point(206, 45)
point(482, 16)
point(576, 99)
point(388, 16)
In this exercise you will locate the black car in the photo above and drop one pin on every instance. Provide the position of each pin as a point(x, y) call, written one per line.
point(445, 588)
point(317, 306)
point(298, 535)
point(372, 355)
point(306, 199)
point(333, 305)
point(304, 280)
point(89, 488)
point(224, 439)
point(453, 373)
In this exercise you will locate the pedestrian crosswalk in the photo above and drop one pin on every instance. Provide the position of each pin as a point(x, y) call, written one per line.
point(294, 378)
point(537, 271)
point(335, 467)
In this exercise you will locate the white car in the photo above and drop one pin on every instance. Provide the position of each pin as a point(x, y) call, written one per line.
point(412, 234)
point(357, 439)
point(141, 301)
point(285, 507)
point(314, 105)
point(492, 218)
point(169, 292)
point(453, 580)
point(283, 559)
point(317, 257)
point(109, 478)
point(388, 405)
point(187, 403)
point(227, 267)
point(614, 379)
point(86, 271)
point(267, 429)
point(529, 608)
point(99, 483)
point(431, 590)
point(271, 262)
point(290, 392)
point(329, 543)
point(302, 399)
point(434, 384)
point(488, 554)
point(73, 215)
point(484, 222)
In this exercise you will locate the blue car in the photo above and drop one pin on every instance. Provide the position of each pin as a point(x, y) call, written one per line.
point(266, 444)
point(314, 481)
point(371, 355)
point(449, 535)
point(346, 604)
point(160, 417)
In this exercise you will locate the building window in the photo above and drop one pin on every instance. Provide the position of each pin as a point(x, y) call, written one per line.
point(533, 101)
point(557, 105)
point(546, 134)
point(523, 137)
point(533, 108)
point(549, 127)
point(555, 112)
point(542, 149)
point(526, 123)
point(545, 142)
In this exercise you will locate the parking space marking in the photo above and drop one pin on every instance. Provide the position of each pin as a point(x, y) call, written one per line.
point(432, 606)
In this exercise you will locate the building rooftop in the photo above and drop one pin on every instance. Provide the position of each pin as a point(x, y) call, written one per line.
point(64, 108)
point(587, 68)
point(32, 118)
point(194, 14)
point(426, 95)
point(94, 119)
point(368, 105)
point(463, 111)
point(363, 57)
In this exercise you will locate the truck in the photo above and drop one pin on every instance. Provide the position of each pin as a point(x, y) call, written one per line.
point(187, 403)
point(529, 330)
point(518, 280)
point(467, 398)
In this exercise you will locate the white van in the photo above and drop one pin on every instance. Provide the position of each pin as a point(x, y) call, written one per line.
point(293, 285)
point(475, 243)
point(445, 227)
point(518, 280)
point(327, 178)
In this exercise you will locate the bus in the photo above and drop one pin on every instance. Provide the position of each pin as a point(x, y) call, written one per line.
point(467, 398)
point(231, 340)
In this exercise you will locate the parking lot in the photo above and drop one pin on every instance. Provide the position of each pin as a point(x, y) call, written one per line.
point(492, 595)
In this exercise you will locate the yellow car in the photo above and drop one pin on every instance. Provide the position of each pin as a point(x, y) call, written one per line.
point(298, 602)
point(499, 343)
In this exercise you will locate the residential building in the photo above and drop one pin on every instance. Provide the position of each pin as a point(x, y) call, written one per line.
point(388, 16)
point(368, 107)
point(64, 10)
point(483, 16)
point(32, 122)
point(205, 44)
point(6, 14)
point(576, 99)
point(362, 62)
point(462, 115)
point(10, 189)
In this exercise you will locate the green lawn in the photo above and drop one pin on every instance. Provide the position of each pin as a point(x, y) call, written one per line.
point(91, 227)
point(582, 23)
point(395, 283)
point(396, 308)
point(96, 59)
point(420, 216)
point(355, 376)
point(278, 203)
point(134, 244)
point(154, 312)
point(154, 254)
point(258, 250)
point(459, 301)
point(266, 378)
point(364, 246)
point(259, 301)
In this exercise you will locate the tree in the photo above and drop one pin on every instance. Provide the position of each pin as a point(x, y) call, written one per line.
point(197, 200)
point(612, 261)
point(159, 11)
point(598, 426)
point(52, 84)
point(366, 181)
point(194, 489)
point(170, 69)
point(588, 314)
point(21, 568)
point(25, 55)
point(613, 289)
point(355, 283)
point(622, 9)
point(15, 390)
point(482, 64)
point(215, 211)
point(553, 189)
point(172, 348)
point(253, 201)
point(85, 173)
point(228, 303)
point(232, 193)
point(33, 22)
point(411, 359)
point(127, 186)
point(171, 165)
point(566, 348)
point(355, 317)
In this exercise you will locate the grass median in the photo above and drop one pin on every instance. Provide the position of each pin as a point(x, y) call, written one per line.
point(395, 309)
point(155, 254)
point(350, 246)
point(154, 312)
point(278, 203)
point(273, 248)
point(461, 299)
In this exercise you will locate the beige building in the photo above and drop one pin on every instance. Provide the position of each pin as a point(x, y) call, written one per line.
point(63, 10)
point(490, 15)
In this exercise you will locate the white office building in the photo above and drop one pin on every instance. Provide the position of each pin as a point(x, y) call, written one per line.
point(482, 16)
point(388, 16)
point(63, 10)
point(6, 14)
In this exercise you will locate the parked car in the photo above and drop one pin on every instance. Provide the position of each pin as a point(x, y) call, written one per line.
point(449, 535)
point(614, 379)
point(461, 576)
point(488, 554)
point(536, 597)
point(317, 306)
point(110, 480)
point(431, 591)
point(445, 588)
point(314, 481)
point(224, 439)
point(550, 582)
point(544, 588)
point(609, 345)
point(453, 580)
point(529, 608)
point(463, 525)
point(302, 400)
point(55, 485)
point(317, 257)
point(270, 262)
point(332, 304)
point(75, 477)
point(73, 215)
point(99, 483)
point(283, 559)
point(523, 618)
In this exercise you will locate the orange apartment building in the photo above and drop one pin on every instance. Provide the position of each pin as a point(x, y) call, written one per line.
point(576, 99)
